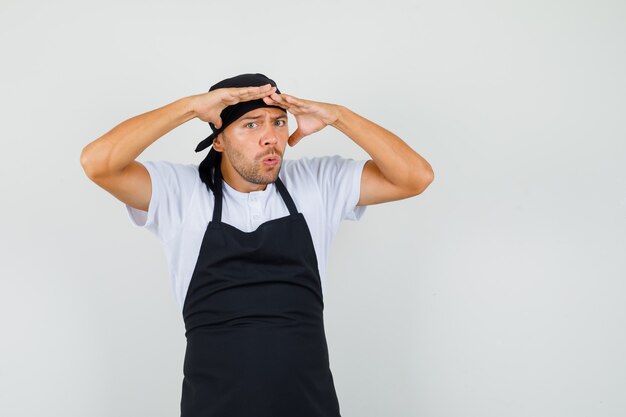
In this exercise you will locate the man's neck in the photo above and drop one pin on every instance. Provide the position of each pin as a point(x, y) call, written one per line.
point(247, 188)
point(237, 183)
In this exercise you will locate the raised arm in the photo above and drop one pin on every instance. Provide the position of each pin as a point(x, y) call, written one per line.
point(109, 161)
point(395, 172)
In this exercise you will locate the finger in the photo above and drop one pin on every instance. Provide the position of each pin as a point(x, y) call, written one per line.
point(253, 89)
point(295, 137)
point(302, 105)
point(270, 102)
point(250, 93)
point(278, 102)
point(277, 97)
point(282, 100)
point(292, 99)
point(262, 91)
point(291, 102)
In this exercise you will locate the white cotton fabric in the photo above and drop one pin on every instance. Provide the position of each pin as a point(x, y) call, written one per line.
point(324, 189)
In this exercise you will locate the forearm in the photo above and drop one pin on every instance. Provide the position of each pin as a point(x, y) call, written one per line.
point(120, 146)
point(397, 161)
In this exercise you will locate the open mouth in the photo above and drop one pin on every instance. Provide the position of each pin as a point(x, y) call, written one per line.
point(272, 160)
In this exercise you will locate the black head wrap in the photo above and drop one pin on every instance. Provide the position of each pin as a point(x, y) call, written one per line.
point(228, 116)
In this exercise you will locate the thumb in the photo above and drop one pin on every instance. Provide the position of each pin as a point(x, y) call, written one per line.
point(295, 137)
point(218, 123)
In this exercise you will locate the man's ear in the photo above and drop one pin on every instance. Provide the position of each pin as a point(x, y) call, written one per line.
point(218, 145)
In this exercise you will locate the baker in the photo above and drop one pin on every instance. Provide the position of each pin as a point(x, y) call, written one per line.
point(246, 234)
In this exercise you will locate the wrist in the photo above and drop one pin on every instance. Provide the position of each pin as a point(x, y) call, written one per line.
point(189, 106)
point(342, 113)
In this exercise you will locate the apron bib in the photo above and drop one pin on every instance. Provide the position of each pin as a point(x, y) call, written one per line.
point(253, 313)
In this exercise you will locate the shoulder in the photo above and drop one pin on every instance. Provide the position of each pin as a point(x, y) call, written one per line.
point(334, 177)
point(172, 172)
point(316, 165)
point(171, 166)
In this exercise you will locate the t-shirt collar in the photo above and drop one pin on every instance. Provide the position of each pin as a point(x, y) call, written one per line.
point(261, 194)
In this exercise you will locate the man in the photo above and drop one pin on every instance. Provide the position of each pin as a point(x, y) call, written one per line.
point(246, 234)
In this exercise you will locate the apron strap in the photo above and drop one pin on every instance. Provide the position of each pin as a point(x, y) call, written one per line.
point(217, 207)
point(286, 196)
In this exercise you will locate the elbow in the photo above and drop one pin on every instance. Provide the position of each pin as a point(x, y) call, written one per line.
point(89, 164)
point(423, 181)
point(85, 162)
point(430, 177)
point(426, 183)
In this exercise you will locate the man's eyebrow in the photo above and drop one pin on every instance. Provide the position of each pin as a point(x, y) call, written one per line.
point(282, 116)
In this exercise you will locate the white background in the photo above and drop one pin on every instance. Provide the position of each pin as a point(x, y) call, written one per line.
point(499, 291)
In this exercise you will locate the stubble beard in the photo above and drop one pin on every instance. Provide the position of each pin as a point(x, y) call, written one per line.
point(253, 172)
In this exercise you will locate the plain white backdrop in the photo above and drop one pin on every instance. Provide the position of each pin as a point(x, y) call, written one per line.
point(499, 291)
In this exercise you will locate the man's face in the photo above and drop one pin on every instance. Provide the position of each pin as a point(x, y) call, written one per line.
point(250, 140)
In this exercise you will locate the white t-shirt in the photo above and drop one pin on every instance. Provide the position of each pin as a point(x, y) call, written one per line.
point(324, 189)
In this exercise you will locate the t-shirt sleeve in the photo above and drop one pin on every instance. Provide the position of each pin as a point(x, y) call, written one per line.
point(339, 181)
point(172, 189)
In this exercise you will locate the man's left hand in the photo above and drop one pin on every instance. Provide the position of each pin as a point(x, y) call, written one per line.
point(311, 116)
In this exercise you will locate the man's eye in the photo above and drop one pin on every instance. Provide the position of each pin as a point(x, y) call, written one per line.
point(251, 123)
point(281, 121)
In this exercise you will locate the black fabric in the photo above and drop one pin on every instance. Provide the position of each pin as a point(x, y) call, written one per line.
point(253, 312)
point(207, 170)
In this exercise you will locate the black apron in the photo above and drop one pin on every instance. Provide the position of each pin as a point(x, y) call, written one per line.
point(256, 345)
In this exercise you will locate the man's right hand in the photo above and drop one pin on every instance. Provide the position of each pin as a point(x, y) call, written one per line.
point(209, 106)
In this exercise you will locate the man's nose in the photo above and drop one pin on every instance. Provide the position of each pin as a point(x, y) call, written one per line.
point(269, 134)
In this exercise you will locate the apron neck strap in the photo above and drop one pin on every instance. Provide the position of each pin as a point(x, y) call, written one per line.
point(217, 207)
point(286, 196)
